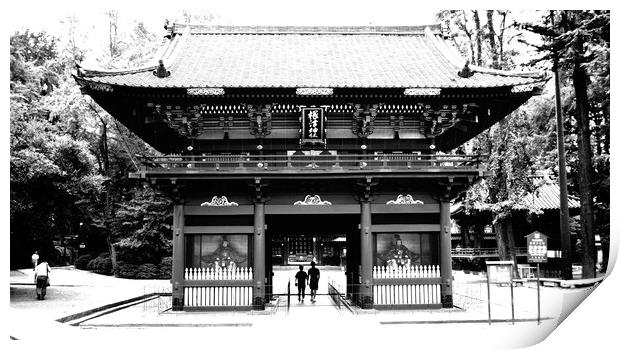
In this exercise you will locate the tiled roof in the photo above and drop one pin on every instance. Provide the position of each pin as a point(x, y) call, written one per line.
point(546, 196)
point(334, 57)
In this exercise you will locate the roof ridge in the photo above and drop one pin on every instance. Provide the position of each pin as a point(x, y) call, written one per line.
point(260, 29)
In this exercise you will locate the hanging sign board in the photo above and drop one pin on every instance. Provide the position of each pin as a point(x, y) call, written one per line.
point(536, 247)
point(312, 125)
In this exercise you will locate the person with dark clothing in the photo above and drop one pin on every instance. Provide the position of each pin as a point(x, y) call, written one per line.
point(300, 281)
point(41, 278)
point(314, 274)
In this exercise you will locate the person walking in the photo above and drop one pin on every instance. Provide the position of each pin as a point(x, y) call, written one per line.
point(301, 278)
point(41, 278)
point(314, 274)
point(35, 260)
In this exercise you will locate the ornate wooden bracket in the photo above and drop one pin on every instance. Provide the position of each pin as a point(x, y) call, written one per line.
point(448, 188)
point(365, 188)
point(364, 119)
point(260, 119)
point(397, 122)
point(437, 119)
point(226, 123)
point(259, 190)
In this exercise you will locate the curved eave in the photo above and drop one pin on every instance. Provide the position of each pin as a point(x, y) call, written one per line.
point(89, 84)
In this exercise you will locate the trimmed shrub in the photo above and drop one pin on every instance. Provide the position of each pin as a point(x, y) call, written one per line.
point(165, 268)
point(147, 271)
point(82, 261)
point(124, 270)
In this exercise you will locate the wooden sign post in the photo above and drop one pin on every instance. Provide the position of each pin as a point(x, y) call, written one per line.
point(537, 253)
point(500, 272)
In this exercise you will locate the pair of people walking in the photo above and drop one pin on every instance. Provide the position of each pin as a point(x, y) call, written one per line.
point(311, 278)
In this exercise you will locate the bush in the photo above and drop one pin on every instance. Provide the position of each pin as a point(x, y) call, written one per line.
point(82, 261)
point(165, 268)
point(125, 270)
point(147, 271)
point(101, 264)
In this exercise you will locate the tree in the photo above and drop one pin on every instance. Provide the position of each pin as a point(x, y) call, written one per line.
point(581, 38)
point(68, 157)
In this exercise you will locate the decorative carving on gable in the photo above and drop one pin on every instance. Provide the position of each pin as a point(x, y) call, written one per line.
point(219, 202)
point(260, 119)
point(314, 91)
point(404, 200)
point(312, 200)
point(364, 119)
point(422, 92)
point(205, 91)
point(100, 87)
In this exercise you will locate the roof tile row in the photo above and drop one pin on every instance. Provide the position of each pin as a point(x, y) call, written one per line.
point(309, 60)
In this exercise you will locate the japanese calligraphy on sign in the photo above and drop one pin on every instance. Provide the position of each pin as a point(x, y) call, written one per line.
point(312, 125)
point(536, 247)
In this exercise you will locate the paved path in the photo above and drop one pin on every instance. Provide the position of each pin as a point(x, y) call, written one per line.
point(74, 291)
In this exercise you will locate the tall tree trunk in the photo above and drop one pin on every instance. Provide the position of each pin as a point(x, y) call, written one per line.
point(500, 235)
point(506, 242)
point(478, 38)
point(580, 84)
point(500, 37)
point(606, 129)
point(491, 37)
point(469, 36)
point(510, 240)
point(107, 214)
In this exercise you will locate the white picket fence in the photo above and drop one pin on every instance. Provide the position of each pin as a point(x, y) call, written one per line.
point(406, 292)
point(218, 295)
point(201, 274)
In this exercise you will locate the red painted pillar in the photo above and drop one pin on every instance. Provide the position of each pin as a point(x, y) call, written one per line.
point(445, 253)
point(259, 256)
point(178, 257)
point(366, 247)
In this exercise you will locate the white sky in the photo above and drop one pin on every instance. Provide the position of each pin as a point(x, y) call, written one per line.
point(39, 14)
point(265, 12)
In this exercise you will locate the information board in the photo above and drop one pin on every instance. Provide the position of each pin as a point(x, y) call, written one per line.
point(500, 274)
point(536, 247)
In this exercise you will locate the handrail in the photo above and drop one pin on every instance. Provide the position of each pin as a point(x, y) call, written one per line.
point(321, 161)
point(484, 251)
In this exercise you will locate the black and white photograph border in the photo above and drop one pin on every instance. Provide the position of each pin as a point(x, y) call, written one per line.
point(109, 201)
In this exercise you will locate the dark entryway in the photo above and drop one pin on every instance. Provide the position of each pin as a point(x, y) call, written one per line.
point(293, 240)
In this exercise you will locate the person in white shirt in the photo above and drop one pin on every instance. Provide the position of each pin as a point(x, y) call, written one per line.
point(41, 277)
point(35, 260)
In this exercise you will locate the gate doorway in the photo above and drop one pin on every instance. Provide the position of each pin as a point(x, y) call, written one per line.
point(297, 240)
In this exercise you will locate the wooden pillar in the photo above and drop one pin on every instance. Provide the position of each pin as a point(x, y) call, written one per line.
point(178, 257)
point(259, 256)
point(465, 235)
point(366, 247)
point(445, 253)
